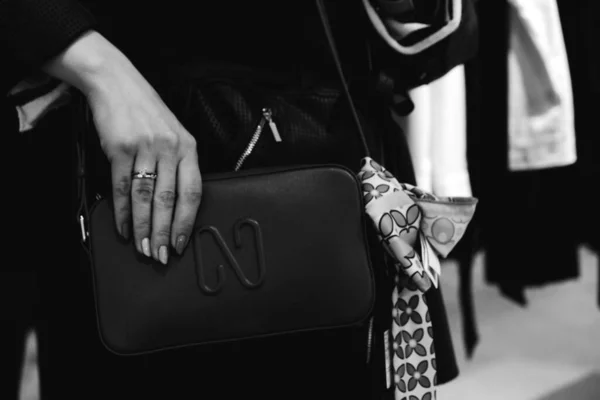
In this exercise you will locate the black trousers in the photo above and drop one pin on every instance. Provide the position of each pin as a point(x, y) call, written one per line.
point(20, 308)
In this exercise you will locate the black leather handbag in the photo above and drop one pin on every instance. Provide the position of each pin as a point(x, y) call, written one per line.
point(274, 251)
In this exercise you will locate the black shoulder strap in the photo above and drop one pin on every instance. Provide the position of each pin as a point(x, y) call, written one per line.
point(340, 70)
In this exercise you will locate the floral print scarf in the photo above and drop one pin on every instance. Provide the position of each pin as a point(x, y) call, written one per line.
point(416, 228)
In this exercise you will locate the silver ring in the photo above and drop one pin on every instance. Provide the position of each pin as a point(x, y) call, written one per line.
point(143, 174)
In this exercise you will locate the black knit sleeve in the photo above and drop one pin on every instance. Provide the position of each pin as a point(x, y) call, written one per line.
point(34, 31)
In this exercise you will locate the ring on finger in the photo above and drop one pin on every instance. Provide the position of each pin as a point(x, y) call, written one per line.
point(144, 174)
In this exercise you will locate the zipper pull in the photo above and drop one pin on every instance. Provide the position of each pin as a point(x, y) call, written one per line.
point(268, 114)
point(370, 340)
point(84, 231)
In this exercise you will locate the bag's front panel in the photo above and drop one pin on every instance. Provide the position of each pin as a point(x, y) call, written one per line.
point(272, 253)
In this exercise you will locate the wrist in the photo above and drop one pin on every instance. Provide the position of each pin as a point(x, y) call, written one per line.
point(89, 64)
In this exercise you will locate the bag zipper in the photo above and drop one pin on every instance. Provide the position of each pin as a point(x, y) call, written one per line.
point(267, 118)
point(83, 223)
point(370, 340)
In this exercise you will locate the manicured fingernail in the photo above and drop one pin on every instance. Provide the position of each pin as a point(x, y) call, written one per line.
point(163, 254)
point(125, 230)
point(180, 245)
point(146, 247)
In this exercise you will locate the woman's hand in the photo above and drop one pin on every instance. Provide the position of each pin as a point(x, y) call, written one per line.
point(138, 134)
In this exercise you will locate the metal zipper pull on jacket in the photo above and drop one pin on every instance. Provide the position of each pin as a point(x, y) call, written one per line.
point(267, 117)
point(268, 114)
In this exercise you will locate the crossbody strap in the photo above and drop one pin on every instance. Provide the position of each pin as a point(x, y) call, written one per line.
point(338, 64)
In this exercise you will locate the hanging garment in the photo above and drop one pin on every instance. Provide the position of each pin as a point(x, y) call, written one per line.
point(541, 122)
point(524, 246)
point(419, 42)
point(581, 30)
point(394, 31)
point(437, 136)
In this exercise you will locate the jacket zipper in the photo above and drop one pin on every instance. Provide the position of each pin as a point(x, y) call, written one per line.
point(267, 118)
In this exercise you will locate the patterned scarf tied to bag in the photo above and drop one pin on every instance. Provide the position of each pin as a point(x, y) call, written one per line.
point(415, 228)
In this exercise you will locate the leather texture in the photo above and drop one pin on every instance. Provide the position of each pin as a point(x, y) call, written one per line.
point(316, 271)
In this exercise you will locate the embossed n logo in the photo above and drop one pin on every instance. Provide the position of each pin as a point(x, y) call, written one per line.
point(232, 261)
